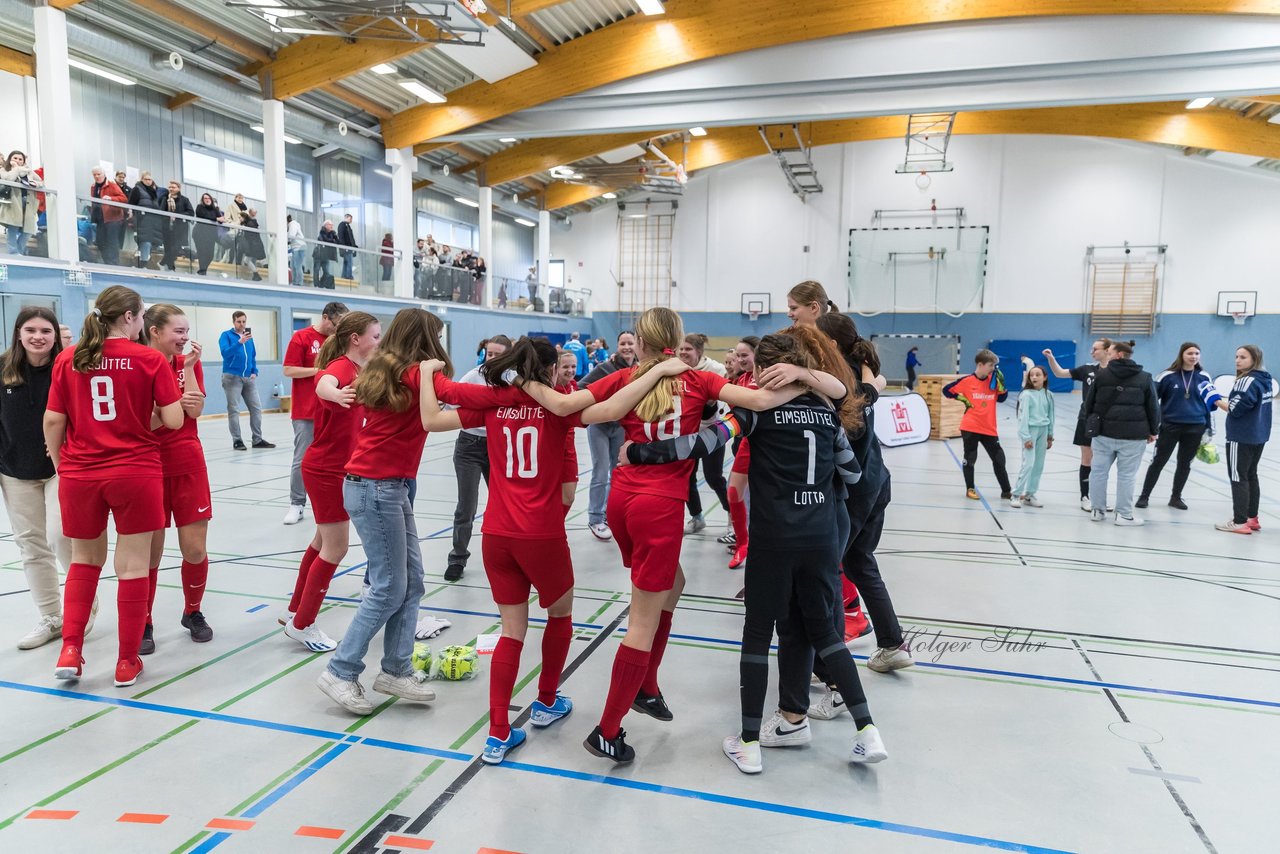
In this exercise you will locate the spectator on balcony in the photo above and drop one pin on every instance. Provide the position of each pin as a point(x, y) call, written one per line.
point(297, 249)
point(150, 226)
point(108, 219)
point(19, 207)
point(480, 270)
point(122, 181)
point(531, 284)
point(388, 257)
point(347, 237)
point(176, 231)
point(324, 256)
point(206, 231)
point(419, 253)
point(445, 255)
point(251, 242)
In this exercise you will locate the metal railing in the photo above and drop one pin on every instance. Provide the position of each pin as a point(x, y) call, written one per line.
point(446, 283)
point(523, 295)
point(25, 211)
point(323, 264)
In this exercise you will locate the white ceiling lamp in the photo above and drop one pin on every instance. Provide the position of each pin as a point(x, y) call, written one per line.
point(383, 68)
point(609, 196)
point(651, 7)
point(423, 91)
point(515, 198)
point(471, 203)
point(698, 131)
point(102, 72)
point(291, 140)
point(383, 172)
point(525, 222)
point(1199, 103)
point(1275, 120)
point(507, 139)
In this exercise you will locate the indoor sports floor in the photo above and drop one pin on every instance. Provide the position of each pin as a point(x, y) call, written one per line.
point(1080, 687)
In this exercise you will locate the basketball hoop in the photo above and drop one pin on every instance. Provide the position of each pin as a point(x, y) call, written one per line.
point(1239, 317)
point(755, 315)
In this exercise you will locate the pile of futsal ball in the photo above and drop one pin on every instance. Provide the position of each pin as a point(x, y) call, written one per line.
point(454, 663)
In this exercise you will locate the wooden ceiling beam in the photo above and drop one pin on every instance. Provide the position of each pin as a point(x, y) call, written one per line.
point(17, 62)
point(64, 4)
point(180, 100)
point(315, 61)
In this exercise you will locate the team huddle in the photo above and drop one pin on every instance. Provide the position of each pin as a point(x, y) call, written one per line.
point(120, 430)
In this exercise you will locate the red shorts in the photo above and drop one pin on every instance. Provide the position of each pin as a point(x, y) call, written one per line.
point(324, 488)
point(515, 565)
point(569, 469)
point(742, 459)
point(649, 530)
point(137, 503)
point(186, 499)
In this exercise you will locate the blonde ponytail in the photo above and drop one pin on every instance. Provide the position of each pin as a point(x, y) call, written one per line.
point(660, 330)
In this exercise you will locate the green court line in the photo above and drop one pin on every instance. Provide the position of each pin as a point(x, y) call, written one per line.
point(1176, 702)
point(389, 806)
point(51, 736)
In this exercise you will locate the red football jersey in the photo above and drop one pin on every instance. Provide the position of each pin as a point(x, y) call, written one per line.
point(180, 450)
point(336, 428)
point(526, 453)
point(303, 348)
point(671, 480)
point(569, 388)
point(390, 443)
point(109, 410)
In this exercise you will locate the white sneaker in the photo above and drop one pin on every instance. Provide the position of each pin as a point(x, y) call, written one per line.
point(1111, 508)
point(1231, 527)
point(49, 627)
point(867, 746)
point(285, 617)
point(429, 626)
point(744, 754)
point(1130, 521)
point(780, 732)
point(293, 515)
point(404, 687)
point(1031, 501)
point(828, 706)
point(890, 658)
point(1098, 516)
point(1086, 505)
point(1015, 501)
point(601, 531)
point(346, 693)
point(311, 637)
point(694, 525)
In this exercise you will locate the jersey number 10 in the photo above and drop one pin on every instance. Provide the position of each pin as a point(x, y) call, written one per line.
point(103, 394)
point(522, 452)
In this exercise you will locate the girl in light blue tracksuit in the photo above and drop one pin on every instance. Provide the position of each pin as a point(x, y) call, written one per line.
point(1035, 429)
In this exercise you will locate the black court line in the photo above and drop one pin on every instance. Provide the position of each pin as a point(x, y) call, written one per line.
point(369, 843)
point(1155, 765)
point(946, 443)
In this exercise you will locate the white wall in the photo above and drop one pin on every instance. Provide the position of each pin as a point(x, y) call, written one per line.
point(1045, 199)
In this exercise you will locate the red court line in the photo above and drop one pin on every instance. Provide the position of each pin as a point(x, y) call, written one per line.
point(495, 851)
point(413, 843)
point(319, 832)
point(57, 815)
point(143, 818)
point(230, 824)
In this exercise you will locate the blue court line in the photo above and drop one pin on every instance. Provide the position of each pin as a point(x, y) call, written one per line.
point(347, 740)
point(784, 809)
point(255, 609)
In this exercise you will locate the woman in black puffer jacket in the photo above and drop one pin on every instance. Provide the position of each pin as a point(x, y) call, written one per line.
point(1124, 410)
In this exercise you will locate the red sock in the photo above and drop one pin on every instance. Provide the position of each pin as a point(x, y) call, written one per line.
point(194, 576)
point(318, 578)
point(629, 668)
point(77, 601)
point(153, 581)
point(738, 516)
point(556, 638)
point(503, 671)
point(131, 603)
point(308, 558)
point(650, 684)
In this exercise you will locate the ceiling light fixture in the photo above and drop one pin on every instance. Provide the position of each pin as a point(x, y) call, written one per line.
point(507, 139)
point(102, 72)
point(291, 140)
point(525, 222)
point(609, 196)
point(383, 68)
point(423, 91)
point(698, 131)
point(651, 7)
point(1199, 103)
point(471, 203)
point(383, 172)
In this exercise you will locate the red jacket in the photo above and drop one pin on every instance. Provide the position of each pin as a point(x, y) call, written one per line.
point(111, 192)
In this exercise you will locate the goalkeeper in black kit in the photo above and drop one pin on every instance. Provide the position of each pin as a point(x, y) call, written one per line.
point(801, 462)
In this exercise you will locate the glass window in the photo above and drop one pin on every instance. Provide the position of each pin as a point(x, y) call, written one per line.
point(555, 275)
point(294, 194)
point(244, 178)
point(201, 168)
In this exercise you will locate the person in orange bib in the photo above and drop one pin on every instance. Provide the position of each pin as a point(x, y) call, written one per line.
point(980, 392)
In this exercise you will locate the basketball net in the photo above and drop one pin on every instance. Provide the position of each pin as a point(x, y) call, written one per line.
point(755, 315)
point(1239, 317)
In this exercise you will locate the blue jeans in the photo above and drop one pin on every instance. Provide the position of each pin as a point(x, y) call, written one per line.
point(383, 517)
point(295, 263)
point(144, 251)
point(604, 440)
point(1127, 456)
point(348, 258)
point(17, 239)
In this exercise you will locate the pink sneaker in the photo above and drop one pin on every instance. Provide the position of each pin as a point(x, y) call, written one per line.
point(1254, 524)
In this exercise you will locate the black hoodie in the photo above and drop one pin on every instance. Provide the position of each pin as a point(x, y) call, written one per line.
point(1124, 396)
point(22, 453)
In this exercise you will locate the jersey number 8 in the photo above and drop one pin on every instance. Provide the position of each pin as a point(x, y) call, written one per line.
point(103, 394)
point(522, 452)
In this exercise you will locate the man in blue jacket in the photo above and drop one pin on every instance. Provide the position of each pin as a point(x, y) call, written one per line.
point(240, 380)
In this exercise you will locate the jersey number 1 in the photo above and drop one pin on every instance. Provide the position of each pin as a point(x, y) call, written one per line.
point(522, 452)
point(812, 441)
point(103, 394)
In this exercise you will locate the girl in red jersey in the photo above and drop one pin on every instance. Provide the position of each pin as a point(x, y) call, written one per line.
point(375, 494)
point(524, 541)
point(648, 504)
point(564, 383)
point(338, 420)
point(187, 502)
point(98, 431)
point(739, 537)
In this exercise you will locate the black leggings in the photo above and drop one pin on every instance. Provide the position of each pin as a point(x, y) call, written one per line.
point(1186, 438)
point(713, 471)
point(796, 590)
point(993, 449)
point(1242, 466)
